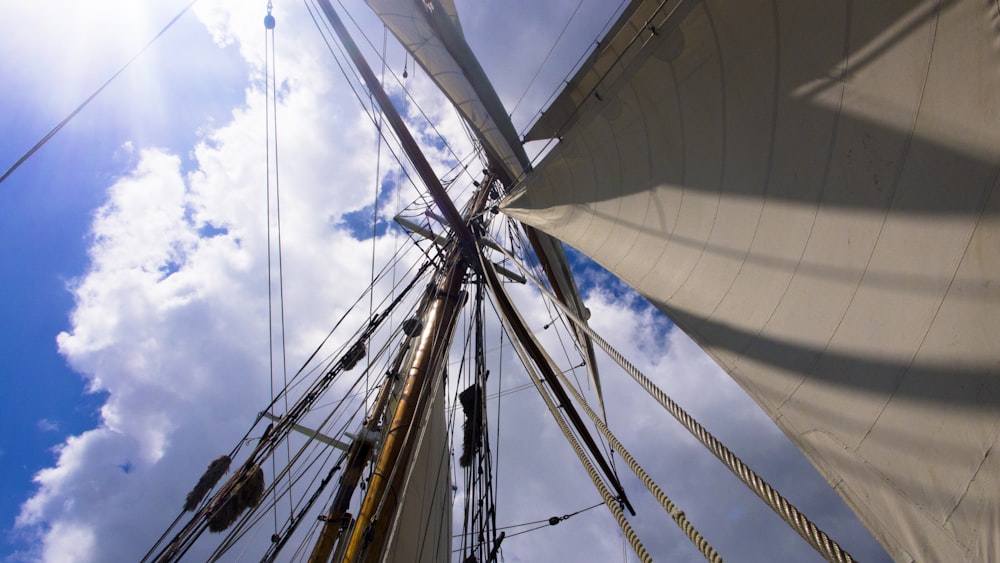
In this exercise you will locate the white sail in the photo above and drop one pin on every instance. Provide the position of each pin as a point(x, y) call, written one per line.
point(422, 532)
point(431, 33)
point(809, 190)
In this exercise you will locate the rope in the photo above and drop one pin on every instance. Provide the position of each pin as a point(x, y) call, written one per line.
point(675, 513)
point(547, 56)
point(86, 102)
point(271, 123)
point(817, 538)
point(267, 199)
point(609, 501)
point(612, 503)
point(545, 523)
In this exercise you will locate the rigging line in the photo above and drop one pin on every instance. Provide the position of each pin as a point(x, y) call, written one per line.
point(287, 534)
point(546, 59)
point(416, 277)
point(248, 521)
point(496, 455)
point(344, 72)
point(566, 326)
point(395, 239)
point(378, 179)
point(277, 202)
point(317, 389)
point(817, 538)
point(611, 502)
point(447, 289)
point(576, 65)
point(400, 83)
point(267, 199)
point(371, 111)
point(271, 114)
point(675, 513)
point(646, 26)
point(89, 99)
point(241, 528)
point(546, 521)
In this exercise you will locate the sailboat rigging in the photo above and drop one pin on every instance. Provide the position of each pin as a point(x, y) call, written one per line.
point(618, 108)
point(368, 536)
point(811, 191)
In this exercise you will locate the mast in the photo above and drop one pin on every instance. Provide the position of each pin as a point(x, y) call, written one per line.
point(337, 520)
point(368, 538)
point(369, 534)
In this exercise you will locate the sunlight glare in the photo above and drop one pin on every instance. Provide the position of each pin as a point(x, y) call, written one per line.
point(77, 45)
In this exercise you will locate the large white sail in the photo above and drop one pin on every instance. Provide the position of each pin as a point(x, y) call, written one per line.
point(809, 189)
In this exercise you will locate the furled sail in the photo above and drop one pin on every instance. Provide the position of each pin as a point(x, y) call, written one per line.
point(423, 530)
point(809, 190)
point(430, 31)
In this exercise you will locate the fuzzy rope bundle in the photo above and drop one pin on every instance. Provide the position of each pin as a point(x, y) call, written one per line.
point(215, 471)
point(245, 493)
point(472, 438)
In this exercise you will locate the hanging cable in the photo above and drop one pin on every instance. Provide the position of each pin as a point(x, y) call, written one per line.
point(675, 513)
point(90, 98)
point(271, 125)
point(817, 538)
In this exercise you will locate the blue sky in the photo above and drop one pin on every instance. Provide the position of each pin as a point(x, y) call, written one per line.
point(50, 200)
point(162, 310)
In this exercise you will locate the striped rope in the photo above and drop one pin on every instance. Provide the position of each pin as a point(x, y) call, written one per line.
point(609, 501)
point(672, 509)
point(817, 538)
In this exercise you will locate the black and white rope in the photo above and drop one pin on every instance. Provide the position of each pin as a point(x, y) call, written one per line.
point(610, 501)
point(817, 538)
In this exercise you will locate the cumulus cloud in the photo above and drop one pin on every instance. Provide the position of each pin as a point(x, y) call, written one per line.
point(171, 321)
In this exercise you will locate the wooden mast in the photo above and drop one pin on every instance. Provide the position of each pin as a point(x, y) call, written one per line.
point(369, 533)
point(423, 378)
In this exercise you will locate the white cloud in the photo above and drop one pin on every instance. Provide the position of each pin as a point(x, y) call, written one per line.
point(46, 425)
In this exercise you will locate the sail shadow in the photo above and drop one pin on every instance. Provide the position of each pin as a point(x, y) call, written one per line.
point(910, 282)
point(783, 118)
point(970, 387)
